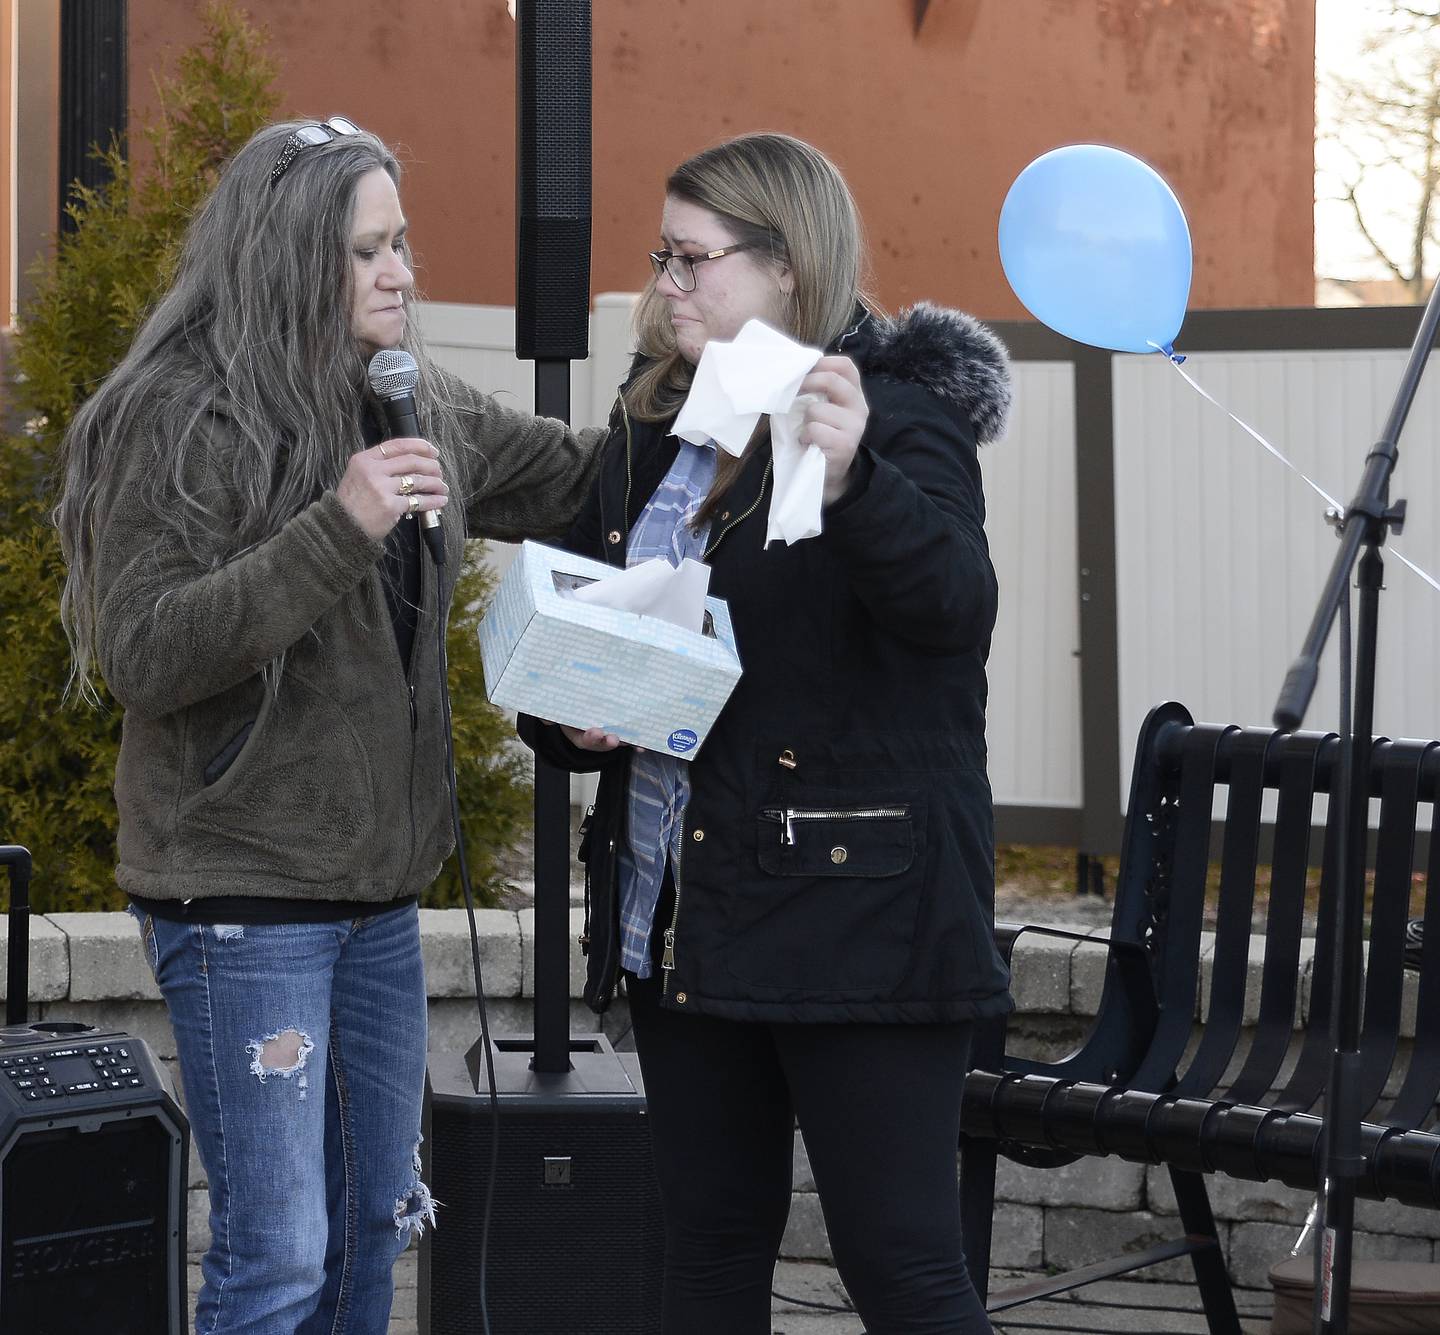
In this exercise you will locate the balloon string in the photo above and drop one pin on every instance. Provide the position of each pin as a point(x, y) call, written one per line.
point(1175, 360)
point(1406, 561)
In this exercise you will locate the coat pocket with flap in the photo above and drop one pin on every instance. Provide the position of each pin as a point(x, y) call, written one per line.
point(841, 839)
point(841, 877)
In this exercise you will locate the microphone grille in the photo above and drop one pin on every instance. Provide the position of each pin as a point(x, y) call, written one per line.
point(392, 371)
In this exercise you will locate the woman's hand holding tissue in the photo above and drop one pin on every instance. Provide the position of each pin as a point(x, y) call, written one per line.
point(836, 420)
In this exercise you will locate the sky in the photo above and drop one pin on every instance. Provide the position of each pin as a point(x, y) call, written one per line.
point(1340, 251)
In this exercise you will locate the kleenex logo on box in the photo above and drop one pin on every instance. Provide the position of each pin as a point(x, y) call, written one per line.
point(650, 683)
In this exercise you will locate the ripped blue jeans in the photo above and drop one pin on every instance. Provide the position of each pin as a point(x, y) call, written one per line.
point(302, 1057)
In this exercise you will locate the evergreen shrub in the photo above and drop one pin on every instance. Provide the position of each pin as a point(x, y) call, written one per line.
point(57, 755)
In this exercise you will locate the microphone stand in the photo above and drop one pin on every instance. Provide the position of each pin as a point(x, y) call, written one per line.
point(1363, 530)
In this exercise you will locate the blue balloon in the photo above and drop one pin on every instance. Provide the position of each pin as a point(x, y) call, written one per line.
point(1094, 243)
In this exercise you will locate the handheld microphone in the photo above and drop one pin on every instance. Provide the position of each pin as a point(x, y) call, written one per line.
point(393, 376)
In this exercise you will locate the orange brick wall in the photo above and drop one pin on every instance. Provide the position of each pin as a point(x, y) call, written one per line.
point(931, 129)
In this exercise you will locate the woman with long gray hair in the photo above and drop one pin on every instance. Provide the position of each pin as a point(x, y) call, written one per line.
point(246, 575)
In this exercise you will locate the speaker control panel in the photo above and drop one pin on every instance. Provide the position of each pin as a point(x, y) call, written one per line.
point(70, 1070)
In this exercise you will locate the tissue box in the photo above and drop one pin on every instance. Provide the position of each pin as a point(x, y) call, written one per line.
point(645, 680)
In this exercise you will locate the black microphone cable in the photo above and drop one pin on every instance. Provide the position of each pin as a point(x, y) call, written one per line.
point(437, 552)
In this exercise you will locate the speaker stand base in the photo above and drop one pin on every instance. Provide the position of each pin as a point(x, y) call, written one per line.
point(595, 1068)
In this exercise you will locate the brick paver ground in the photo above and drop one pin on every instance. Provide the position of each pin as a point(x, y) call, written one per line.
point(1133, 1307)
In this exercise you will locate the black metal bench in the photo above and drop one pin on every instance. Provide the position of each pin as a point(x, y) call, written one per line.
point(1244, 1100)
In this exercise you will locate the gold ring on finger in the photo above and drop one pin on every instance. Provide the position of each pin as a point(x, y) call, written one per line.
point(407, 485)
point(384, 453)
point(414, 505)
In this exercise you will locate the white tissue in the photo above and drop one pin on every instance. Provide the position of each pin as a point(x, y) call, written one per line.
point(799, 477)
point(760, 372)
point(655, 588)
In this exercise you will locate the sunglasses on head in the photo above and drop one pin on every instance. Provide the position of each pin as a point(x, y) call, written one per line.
point(308, 136)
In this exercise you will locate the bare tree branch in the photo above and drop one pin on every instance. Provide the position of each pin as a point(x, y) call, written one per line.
point(1384, 117)
point(1374, 244)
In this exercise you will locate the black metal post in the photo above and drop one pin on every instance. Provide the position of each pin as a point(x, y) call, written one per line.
point(17, 958)
point(94, 91)
point(552, 836)
point(1101, 824)
point(552, 327)
point(1366, 525)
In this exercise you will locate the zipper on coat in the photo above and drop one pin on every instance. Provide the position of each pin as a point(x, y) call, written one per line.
point(720, 537)
point(427, 578)
point(787, 816)
point(629, 478)
point(611, 970)
point(667, 960)
point(625, 511)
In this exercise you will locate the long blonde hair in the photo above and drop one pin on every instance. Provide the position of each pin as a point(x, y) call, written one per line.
point(788, 203)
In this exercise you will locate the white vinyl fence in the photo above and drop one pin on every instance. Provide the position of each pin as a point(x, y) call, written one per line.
point(1217, 552)
point(1221, 551)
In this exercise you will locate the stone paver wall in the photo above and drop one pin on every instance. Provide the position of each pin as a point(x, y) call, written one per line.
point(90, 967)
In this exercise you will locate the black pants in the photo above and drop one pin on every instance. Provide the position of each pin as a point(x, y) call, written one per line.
point(879, 1109)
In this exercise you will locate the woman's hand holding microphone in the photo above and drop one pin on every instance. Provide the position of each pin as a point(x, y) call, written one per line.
point(393, 479)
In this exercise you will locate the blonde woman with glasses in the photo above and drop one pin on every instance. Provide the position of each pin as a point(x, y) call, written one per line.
point(802, 914)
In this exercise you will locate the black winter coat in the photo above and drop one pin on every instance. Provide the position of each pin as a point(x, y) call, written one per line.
point(838, 856)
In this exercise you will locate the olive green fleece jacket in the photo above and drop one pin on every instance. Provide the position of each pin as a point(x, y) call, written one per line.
point(339, 791)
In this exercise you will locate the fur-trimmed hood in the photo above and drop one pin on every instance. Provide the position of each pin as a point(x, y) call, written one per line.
point(948, 353)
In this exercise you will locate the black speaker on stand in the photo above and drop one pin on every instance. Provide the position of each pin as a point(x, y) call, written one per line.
point(575, 1231)
point(574, 1240)
point(93, 1155)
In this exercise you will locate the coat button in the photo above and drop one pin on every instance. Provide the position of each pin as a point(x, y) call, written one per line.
point(725, 516)
point(681, 998)
point(614, 536)
point(698, 836)
point(838, 854)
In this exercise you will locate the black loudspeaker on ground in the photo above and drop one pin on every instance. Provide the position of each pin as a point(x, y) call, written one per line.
point(552, 310)
point(92, 1185)
point(93, 1159)
point(575, 1233)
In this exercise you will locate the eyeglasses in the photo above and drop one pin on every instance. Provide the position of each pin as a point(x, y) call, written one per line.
point(681, 268)
point(307, 136)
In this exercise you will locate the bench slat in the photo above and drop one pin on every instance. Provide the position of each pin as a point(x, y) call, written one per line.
point(1179, 905)
point(1284, 920)
point(1230, 965)
point(1399, 764)
point(1415, 1103)
point(1312, 1068)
